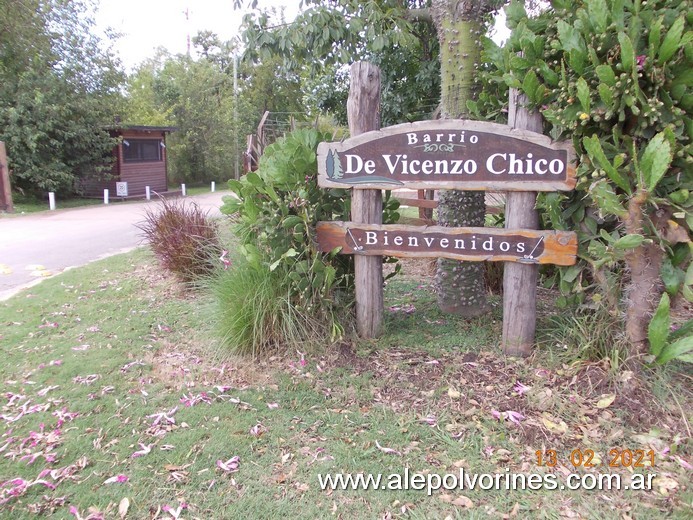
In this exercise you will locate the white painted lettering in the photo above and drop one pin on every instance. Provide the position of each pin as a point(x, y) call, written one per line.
point(556, 166)
point(390, 165)
point(371, 238)
point(541, 170)
point(398, 240)
point(412, 139)
point(489, 163)
point(457, 167)
point(444, 242)
point(369, 167)
point(470, 166)
point(516, 166)
point(354, 163)
point(442, 168)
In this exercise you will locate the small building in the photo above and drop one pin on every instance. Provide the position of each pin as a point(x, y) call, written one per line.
point(140, 161)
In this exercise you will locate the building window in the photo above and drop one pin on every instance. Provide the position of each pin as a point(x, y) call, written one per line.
point(142, 150)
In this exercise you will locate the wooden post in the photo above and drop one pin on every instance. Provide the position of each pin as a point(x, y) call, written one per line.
point(520, 280)
point(5, 188)
point(363, 112)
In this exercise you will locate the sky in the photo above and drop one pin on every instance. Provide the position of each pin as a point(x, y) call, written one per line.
point(146, 25)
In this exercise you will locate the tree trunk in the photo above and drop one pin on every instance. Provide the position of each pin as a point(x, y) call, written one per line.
point(363, 109)
point(460, 25)
point(644, 264)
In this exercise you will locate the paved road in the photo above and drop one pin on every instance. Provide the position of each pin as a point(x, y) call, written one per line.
point(66, 238)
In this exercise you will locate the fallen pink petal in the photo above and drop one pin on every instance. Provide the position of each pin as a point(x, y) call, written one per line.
point(389, 451)
point(146, 449)
point(118, 479)
point(521, 389)
point(230, 465)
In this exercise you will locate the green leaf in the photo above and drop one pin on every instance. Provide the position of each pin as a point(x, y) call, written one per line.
point(627, 52)
point(684, 330)
point(530, 86)
point(515, 13)
point(671, 41)
point(570, 37)
point(291, 221)
point(606, 199)
point(570, 274)
point(606, 95)
point(629, 241)
point(672, 277)
point(594, 149)
point(599, 13)
point(606, 75)
point(654, 37)
point(583, 94)
point(658, 329)
point(655, 160)
point(679, 349)
point(679, 196)
point(577, 60)
point(254, 179)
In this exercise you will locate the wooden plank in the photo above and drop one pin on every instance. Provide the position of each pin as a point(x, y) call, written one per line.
point(5, 187)
point(528, 246)
point(520, 281)
point(417, 203)
point(448, 154)
point(363, 114)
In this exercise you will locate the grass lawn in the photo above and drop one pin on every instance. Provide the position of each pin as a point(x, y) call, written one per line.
point(116, 395)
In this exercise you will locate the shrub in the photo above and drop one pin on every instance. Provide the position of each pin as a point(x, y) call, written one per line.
point(255, 314)
point(183, 237)
point(276, 209)
point(615, 77)
point(589, 335)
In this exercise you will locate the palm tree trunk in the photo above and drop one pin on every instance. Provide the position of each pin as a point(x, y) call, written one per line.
point(460, 25)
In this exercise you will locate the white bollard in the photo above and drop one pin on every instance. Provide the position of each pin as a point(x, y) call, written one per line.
point(214, 186)
point(182, 189)
point(105, 196)
point(51, 201)
point(148, 192)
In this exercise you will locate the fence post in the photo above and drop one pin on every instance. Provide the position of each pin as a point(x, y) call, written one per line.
point(520, 280)
point(182, 189)
point(214, 186)
point(363, 113)
point(148, 192)
point(5, 187)
point(105, 196)
point(51, 200)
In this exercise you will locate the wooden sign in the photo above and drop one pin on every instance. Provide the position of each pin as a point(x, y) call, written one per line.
point(448, 154)
point(470, 244)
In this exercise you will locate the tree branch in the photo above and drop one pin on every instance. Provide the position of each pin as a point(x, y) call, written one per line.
point(419, 15)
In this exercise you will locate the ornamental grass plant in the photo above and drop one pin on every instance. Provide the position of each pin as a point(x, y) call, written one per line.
point(183, 238)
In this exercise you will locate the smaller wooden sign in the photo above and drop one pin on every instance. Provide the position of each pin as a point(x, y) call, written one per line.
point(470, 244)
